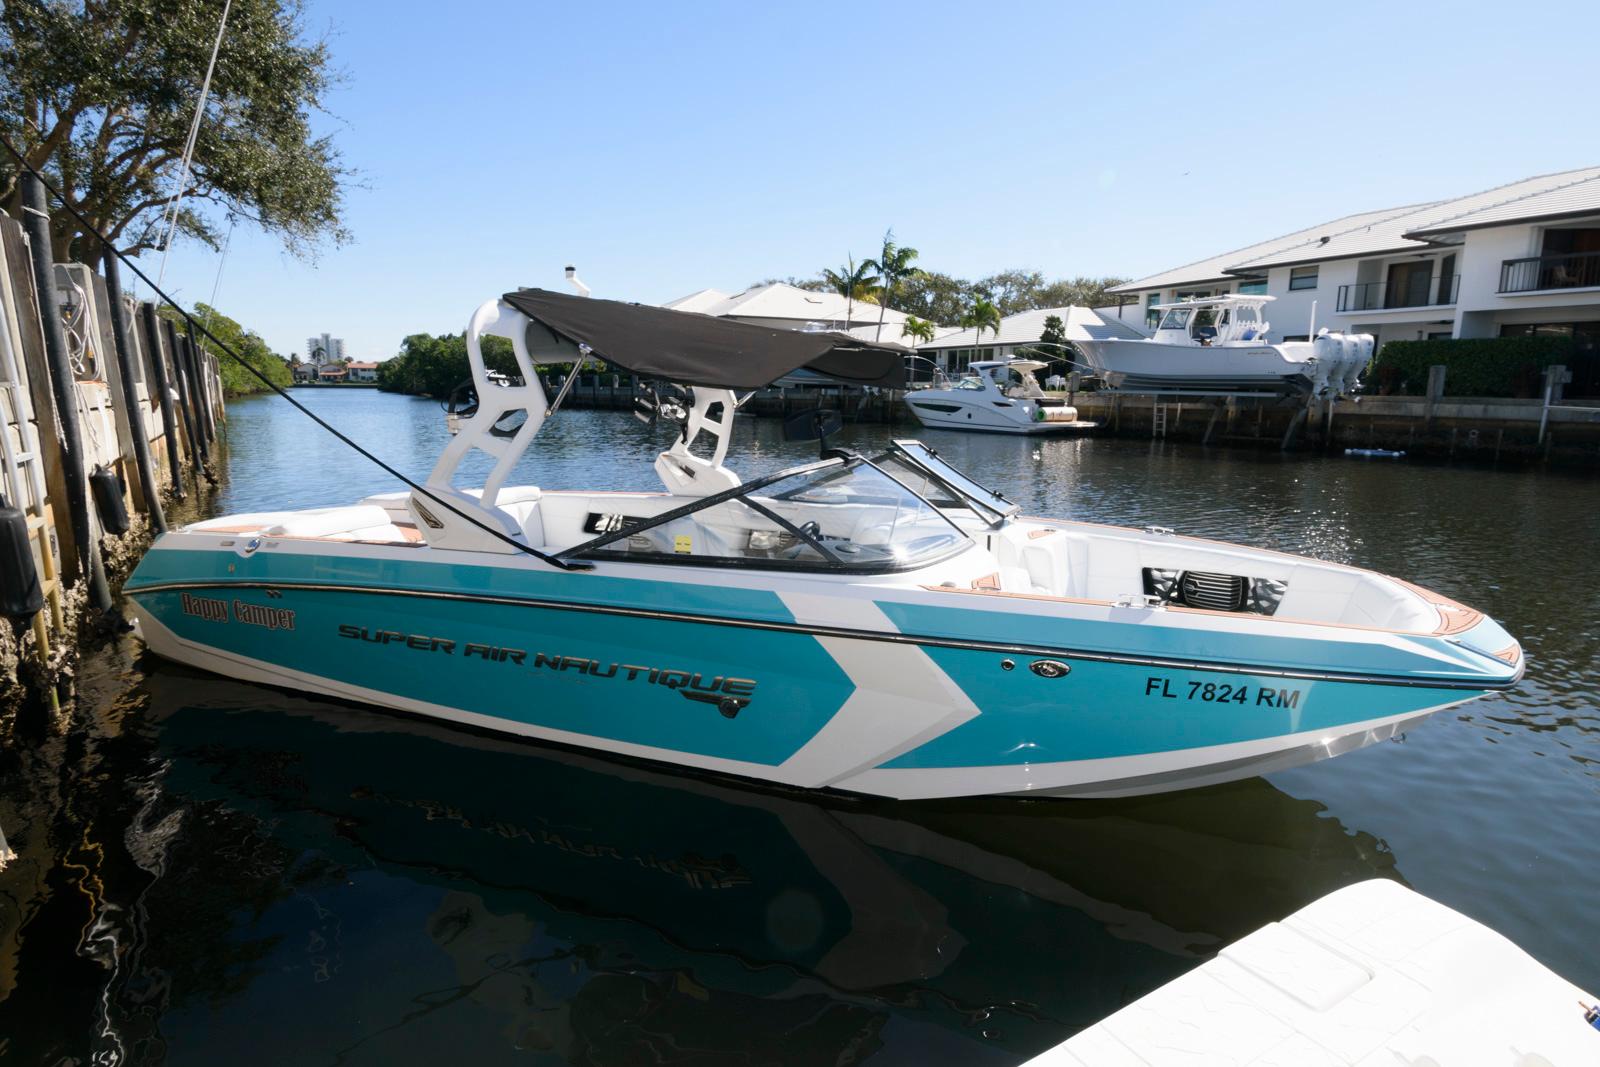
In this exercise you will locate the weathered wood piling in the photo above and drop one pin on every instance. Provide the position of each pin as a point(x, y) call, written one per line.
point(87, 396)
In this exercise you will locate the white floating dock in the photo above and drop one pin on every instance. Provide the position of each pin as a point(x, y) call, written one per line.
point(1373, 975)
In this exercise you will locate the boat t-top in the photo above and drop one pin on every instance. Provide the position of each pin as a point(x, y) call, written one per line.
point(879, 623)
point(995, 396)
point(1219, 344)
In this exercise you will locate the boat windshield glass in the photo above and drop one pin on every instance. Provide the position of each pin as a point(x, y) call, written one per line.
point(925, 473)
point(833, 515)
point(970, 383)
point(1176, 319)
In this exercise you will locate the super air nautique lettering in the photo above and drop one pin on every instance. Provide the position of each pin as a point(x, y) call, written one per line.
point(729, 695)
point(1223, 693)
point(416, 642)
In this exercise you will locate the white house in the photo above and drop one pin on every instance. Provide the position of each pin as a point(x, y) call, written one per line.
point(788, 307)
point(954, 349)
point(361, 371)
point(1516, 259)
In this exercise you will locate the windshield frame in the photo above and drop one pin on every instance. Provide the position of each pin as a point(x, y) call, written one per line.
point(995, 511)
point(594, 548)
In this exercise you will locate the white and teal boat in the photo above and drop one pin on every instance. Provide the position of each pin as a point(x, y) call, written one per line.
point(879, 624)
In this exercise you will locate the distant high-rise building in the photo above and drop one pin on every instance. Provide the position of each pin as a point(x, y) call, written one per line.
point(324, 349)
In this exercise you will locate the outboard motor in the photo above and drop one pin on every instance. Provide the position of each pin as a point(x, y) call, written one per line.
point(106, 487)
point(21, 596)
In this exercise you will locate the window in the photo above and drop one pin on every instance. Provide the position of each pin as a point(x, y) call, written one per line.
point(1302, 278)
point(1253, 288)
point(1177, 319)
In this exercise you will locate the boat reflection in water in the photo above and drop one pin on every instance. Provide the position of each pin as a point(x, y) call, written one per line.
point(346, 880)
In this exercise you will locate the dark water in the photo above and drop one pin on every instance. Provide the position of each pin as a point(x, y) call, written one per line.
point(213, 872)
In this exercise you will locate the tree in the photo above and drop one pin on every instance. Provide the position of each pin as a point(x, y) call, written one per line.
point(894, 267)
point(933, 296)
point(99, 96)
point(853, 282)
point(1078, 292)
point(246, 344)
point(433, 366)
point(1053, 345)
point(1012, 290)
point(921, 329)
point(982, 315)
point(811, 285)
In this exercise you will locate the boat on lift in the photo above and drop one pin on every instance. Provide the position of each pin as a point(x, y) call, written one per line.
point(881, 624)
point(1218, 344)
point(995, 396)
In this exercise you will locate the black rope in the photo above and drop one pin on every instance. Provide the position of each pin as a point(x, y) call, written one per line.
point(195, 324)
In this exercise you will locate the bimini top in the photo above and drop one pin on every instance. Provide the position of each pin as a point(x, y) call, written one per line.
point(692, 349)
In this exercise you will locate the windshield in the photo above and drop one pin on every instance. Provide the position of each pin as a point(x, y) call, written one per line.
point(1176, 319)
point(834, 515)
point(922, 470)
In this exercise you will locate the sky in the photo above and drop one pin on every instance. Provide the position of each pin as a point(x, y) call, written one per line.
point(667, 147)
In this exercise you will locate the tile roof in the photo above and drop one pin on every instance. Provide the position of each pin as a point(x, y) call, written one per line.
point(1399, 229)
point(1215, 268)
point(1573, 192)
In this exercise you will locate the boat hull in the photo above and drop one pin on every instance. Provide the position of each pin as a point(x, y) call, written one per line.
point(858, 691)
point(938, 412)
point(1145, 366)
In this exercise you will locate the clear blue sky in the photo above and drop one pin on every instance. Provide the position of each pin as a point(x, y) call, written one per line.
point(668, 147)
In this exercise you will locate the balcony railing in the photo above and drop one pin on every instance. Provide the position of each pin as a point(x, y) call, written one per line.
point(1576, 270)
point(1385, 296)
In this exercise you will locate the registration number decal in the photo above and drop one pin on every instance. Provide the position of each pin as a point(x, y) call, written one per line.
point(1262, 696)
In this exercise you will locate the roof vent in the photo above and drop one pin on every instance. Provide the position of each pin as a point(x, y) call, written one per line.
point(1325, 240)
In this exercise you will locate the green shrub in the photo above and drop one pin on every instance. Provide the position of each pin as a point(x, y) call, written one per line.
point(1476, 366)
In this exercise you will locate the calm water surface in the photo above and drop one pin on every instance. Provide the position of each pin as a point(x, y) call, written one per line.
point(214, 872)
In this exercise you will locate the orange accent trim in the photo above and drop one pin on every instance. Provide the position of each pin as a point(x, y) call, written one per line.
point(1511, 655)
point(988, 583)
point(1034, 535)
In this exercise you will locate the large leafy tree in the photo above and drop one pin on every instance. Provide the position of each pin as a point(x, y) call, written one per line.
point(940, 298)
point(100, 94)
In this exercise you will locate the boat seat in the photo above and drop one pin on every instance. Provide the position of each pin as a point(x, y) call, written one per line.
point(1039, 565)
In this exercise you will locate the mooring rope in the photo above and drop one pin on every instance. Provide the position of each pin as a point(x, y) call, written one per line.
point(416, 487)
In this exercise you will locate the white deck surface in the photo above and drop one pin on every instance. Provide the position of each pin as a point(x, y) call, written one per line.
point(1373, 975)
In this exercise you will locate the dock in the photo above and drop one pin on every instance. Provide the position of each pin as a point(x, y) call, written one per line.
point(111, 412)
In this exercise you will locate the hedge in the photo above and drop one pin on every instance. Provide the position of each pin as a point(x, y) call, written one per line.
point(1477, 366)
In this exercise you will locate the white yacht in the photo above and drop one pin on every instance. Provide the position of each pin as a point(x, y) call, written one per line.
point(1001, 396)
point(1218, 344)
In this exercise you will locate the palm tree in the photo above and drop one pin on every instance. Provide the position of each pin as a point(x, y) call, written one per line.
point(854, 282)
point(921, 329)
point(983, 315)
point(893, 266)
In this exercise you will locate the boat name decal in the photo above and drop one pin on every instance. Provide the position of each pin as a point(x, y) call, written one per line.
point(728, 694)
point(215, 609)
point(1222, 693)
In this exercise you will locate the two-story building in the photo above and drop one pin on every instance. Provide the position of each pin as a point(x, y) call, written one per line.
point(1520, 258)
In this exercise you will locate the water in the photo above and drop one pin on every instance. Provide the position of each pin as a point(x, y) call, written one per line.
point(214, 872)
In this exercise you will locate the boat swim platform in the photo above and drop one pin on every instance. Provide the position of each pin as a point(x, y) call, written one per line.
point(1372, 975)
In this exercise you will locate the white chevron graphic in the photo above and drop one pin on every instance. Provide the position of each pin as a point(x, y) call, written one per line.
point(902, 699)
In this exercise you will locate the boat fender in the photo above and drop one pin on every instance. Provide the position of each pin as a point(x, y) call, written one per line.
point(20, 594)
point(106, 487)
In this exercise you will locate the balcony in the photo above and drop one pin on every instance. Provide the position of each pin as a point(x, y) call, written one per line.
point(1575, 270)
point(1392, 295)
